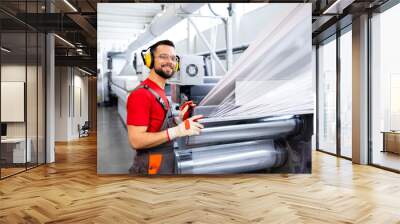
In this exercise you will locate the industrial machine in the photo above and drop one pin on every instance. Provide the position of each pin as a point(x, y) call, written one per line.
point(280, 144)
point(191, 71)
point(190, 82)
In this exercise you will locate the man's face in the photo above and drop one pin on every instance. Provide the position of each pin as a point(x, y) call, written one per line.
point(164, 61)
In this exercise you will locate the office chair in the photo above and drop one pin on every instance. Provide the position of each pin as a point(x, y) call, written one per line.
point(84, 130)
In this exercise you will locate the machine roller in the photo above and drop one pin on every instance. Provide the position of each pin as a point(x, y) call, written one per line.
point(230, 158)
point(244, 145)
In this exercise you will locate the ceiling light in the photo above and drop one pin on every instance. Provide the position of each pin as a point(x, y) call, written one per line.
point(86, 72)
point(337, 7)
point(65, 41)
point(70, 5)
point(5, 50)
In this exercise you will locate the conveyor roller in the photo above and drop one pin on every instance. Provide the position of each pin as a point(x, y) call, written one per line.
point(230, 158)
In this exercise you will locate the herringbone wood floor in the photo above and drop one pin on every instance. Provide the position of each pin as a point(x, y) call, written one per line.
point(69, 191)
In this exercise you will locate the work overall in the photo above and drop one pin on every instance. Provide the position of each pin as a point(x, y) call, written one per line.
point(159, 159)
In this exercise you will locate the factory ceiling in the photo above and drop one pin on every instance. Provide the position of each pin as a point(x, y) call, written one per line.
point(75, 22)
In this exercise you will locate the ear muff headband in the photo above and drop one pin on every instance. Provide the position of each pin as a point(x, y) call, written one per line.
point(148, 60)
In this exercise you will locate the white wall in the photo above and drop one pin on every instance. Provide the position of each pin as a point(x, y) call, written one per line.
point(16, 72)
point(80, 94)
point(13, 73)
point(248, 27)
point(71, 94)
point(33, 126)
point(62, 81)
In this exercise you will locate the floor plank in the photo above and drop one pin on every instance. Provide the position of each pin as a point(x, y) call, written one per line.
point(70, 191)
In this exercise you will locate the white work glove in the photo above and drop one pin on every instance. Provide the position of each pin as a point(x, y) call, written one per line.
point(188, 127)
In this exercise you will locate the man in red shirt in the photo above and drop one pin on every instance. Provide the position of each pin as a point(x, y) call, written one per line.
point(151, 127)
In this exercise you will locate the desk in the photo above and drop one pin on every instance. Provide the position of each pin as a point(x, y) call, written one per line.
point(391, 141)
point(13, 150)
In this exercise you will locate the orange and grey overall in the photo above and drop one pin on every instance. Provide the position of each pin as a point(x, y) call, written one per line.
point(159, 159)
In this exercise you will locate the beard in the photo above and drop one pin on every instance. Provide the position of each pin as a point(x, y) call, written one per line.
point(164, 74)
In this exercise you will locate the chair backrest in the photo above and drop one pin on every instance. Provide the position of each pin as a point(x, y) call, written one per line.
point(86, 125)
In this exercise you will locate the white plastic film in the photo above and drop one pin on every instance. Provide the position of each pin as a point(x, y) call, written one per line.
point(274, 75)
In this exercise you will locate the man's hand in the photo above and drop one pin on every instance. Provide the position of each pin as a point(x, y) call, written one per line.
point(184, 111)
point(188, 127)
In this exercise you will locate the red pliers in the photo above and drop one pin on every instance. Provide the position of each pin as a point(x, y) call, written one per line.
point(189, 111)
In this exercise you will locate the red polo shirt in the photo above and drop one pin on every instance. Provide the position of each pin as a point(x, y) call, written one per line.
point(143, 109)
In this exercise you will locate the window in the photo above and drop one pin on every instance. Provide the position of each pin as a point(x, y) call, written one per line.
point(385, 89)
point(346, 93)
point(22, 66)
point(327, 96)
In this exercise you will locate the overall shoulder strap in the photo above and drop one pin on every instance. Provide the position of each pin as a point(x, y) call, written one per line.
point(168, 120)
point(155, 94)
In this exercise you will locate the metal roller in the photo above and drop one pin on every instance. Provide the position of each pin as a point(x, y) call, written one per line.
point(264, 129)
point(230, 158)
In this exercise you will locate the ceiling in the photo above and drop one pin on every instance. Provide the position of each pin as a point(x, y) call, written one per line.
point(78, 22)
point(123, 21)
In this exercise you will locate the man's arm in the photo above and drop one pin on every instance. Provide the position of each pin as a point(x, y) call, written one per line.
point(139, 138)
